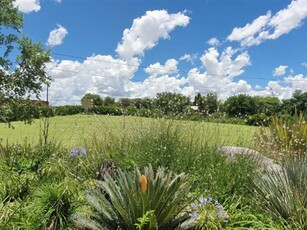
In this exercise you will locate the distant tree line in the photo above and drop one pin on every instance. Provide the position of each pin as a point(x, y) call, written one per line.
point(238, 109)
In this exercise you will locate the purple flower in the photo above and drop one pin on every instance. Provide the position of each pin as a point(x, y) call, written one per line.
point(194, 206)
point(78, 152)
point(202, 200)
point(194, 215)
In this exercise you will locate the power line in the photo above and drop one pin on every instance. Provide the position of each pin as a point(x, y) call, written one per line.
point(153, 68)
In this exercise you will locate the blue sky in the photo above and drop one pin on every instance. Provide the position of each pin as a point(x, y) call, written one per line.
point(135, 48)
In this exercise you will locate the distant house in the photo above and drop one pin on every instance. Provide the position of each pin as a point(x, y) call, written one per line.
point(194, 107)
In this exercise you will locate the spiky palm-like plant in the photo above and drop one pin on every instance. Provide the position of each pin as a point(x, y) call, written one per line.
point(285, 194)
point(120, 202)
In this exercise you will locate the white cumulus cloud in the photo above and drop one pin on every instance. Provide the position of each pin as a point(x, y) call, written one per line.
point(147, 30)
point(213, 42)
point(280, 70)
point(220, 71)
point(271, 26)
point(56, 36)
point(27, 6)
point(188, 58)
point(170, 67)
point(304, 64)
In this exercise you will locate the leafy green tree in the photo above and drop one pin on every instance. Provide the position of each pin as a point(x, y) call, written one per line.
point(267, 105)
point(240, 105)
point(200, 101)
point(22, 65)
point(97, 100)
point(206, 104)
point(172, 103)
point(211, 103)
point(297, 103)
point(108, 101)
point(125, 102)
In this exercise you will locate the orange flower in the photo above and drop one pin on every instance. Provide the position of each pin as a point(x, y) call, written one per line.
point(143, 182)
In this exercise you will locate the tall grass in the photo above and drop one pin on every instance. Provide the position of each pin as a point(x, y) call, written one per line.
point(284, 138)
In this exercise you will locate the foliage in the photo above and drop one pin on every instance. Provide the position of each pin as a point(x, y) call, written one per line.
point(284, 194)
point(50, 207)
point(206, 104)
point(284, 138)
point(240, 105)
point(108, 110)
point(97, 100)
point(259, 119)
point(172, 103)
point(27, 76)
point(121, 201)
point(297, 103)
point(67, 110)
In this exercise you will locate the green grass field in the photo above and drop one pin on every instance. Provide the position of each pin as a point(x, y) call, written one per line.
point(75, 130)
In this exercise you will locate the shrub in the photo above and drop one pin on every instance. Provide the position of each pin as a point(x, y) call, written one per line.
point(284, 194)
point(121, 202)
point(108, 110)
point(68, 110)
point(259, 119)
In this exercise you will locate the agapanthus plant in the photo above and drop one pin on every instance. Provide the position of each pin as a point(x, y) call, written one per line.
point(208, 214)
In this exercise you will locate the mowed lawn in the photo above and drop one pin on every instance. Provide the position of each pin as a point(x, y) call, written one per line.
point(75, 130)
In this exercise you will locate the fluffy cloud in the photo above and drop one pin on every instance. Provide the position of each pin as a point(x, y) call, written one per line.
point(271, 27)
point(147, 30)
point(101, 74)
point(297, 82)
point(304, 64)
point(156, 84)
point(170, 67)
point(27, 6)
point(213, 42)
point(220, 71)
point(280, 70)
point(188, 58)
point(56, 36)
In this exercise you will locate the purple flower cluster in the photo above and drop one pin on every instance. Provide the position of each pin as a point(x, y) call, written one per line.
point(209, 208)
point(78, 152)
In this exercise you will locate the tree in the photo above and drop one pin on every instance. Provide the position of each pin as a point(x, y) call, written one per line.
point(22, 65)
point(240, 105)
point(108, 101)
point(297, 103)
point(267, 105)
point(172, 103)
point(97, 100)
point(206, 104)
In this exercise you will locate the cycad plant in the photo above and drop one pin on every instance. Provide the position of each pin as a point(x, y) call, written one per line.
point(284, 194)
point(135, 201)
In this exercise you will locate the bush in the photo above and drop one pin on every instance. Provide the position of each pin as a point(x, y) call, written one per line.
point(68, 110)
point(108, 110)
point(259, 119)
